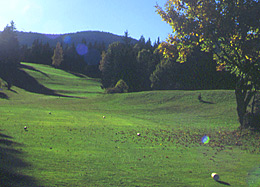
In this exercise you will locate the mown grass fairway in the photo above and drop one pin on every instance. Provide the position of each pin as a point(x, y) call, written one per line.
point(69, 143)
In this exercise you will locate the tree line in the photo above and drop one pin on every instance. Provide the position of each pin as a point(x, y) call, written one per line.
point(11, 53)
point(71, 59)
point(143, 67)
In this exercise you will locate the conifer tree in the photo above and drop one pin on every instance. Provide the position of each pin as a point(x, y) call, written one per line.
point(9, 45)
point(9, 54)
point(126, 38)
point(57, 56)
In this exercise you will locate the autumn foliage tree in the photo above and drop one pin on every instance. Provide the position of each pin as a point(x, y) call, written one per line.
point(57, 56)
point(227, 28)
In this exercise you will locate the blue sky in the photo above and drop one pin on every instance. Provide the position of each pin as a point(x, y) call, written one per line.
point(66, 16)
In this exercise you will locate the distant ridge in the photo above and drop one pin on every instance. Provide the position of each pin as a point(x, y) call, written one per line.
point(27, 38)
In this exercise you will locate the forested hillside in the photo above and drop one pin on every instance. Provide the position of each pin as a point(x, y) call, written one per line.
point(139, 65)
point(27, 38)
point(81, 50)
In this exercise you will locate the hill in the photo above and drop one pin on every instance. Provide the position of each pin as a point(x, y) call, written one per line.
point(76, 135)
point(27, 38)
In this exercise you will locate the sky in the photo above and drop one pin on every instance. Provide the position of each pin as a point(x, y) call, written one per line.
point(138, 17)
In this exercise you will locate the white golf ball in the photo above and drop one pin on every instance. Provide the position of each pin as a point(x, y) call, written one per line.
point(215, 176)
point(138, 134)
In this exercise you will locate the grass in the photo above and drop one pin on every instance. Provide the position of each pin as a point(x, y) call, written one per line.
point(69, 143)
point(63, 82)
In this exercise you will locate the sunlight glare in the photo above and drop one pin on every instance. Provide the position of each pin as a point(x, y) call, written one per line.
point(21, 12)
point(32, 12)
point(8, 11)
point(26, 9)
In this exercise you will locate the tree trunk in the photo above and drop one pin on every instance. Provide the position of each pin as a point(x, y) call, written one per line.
point(241, 108)
point(244, 95)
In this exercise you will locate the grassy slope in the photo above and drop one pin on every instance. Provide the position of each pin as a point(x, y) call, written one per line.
point(68, 143)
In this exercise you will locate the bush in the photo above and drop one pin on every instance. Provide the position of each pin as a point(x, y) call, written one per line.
point(120, 87)
point(121, 84)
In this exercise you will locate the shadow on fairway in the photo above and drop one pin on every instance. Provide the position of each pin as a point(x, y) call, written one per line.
point(10, 162)
point(225, 183)
point(206, 102)
point(3, 96)
point(14, 75)
point(33, 69)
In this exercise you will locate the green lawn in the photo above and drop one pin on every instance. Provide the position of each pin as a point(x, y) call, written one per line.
point(69, 143)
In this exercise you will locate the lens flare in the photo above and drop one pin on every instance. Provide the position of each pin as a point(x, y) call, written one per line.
point(82, 49)
point(205, 139)
point(67, 39)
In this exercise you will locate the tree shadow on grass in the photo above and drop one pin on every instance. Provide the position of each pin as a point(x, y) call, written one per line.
point(10, 162)
point(33, 69)
point(77, 74)
point(202, 101)
point(224, 183)
point(206, 102)
point(3, 95)
point(14, 75)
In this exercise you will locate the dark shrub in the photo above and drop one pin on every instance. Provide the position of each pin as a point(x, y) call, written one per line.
point(121, 87)
point(121, 84)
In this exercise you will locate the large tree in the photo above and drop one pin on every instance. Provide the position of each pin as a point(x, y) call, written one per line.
point(227, 28)
point(144, 68)
point(9, 45)
point(119, 62)
point(9, 53)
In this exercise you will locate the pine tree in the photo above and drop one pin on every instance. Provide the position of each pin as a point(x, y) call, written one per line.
point(36, 51)
point(126, 39)
point(57, 56)
point(9, 45)
point(9, 54)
